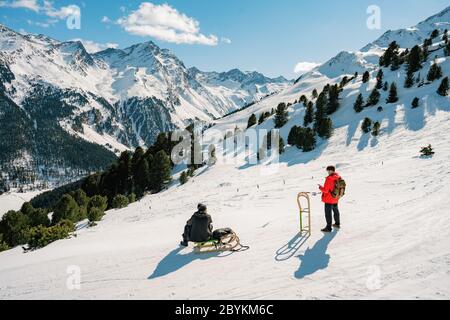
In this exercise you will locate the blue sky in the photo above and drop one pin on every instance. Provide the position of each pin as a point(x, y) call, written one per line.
point(264, 35)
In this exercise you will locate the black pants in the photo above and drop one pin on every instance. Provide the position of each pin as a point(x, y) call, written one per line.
point(329, 208)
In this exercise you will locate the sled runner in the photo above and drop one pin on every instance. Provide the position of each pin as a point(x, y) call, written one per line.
point(229, 242)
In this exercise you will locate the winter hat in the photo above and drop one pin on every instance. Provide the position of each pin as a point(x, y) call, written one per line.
point(201, 207)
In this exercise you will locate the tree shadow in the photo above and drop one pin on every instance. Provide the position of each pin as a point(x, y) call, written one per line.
point(288, 250)
point(364, 141)
point(415, 118)
point(374, 142)
point(175, 261)
point(351, 131)
point(316, 258)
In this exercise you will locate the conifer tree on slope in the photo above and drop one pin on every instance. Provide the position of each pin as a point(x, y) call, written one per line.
point(444, 87)
point(309, 114)
point(380, 83)
point(251, 121)
point(393, 96)
point(281, 116)
point(435, 72)
point(161, 171)
point(414, 59)
point(359, 104)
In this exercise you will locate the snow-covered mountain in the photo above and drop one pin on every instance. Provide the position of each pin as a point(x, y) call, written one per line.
point(409, 37)
point(117, 99)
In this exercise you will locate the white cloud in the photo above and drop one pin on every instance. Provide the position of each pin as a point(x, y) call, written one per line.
point(93, 47)
point(61, 13)
point(225, 40)
point(303, 67)
point(165, 23)
point(27, 4)
point(105, 19)
point(47, 9)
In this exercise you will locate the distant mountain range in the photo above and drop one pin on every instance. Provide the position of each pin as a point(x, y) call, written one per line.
point(115, 99)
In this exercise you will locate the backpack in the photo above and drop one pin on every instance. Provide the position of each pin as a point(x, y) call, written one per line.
point(221, 233)
point(339, 189)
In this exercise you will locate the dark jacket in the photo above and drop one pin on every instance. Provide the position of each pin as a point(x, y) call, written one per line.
point(201, 227)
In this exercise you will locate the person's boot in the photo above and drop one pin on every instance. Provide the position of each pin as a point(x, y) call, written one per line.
point(184, 243)
point(336, 226)
point(326, 230)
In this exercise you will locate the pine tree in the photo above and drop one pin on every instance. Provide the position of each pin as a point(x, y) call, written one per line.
point(444, 87)
point(82, 200)
point(120, 201)
point(124, 173)
point(320, 110)
point(333, 99)
point(161, 171)
point(292, 136)
point(393, 96)
point(389, 54)
point(315, 94)
point(366, 126)
point(435, 34)
point(395, 63)
point(409, 81)
point(359, 104)
point(302, 138)
point(65, 209)
point(414, 59)
point(142, 178)
point(251, 121)
point(376, 129)
point(98, 202)
point(435, 72)
point(366, 77)
point(386, 86)
point(415, 103)
point(374, 98)
point(309, 114)
point(309, 140)
point(281, 116)
point(325, 130)
point(380, 75)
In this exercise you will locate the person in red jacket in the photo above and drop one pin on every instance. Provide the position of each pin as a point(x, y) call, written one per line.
point(331, 203)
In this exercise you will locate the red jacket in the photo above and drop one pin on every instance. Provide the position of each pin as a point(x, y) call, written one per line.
point(328, 188)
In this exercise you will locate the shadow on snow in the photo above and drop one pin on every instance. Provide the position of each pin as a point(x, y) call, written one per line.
point(315, 258)
point(288, 250)
point(174, 261)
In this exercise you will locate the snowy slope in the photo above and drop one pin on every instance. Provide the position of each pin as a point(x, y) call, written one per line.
point(395, 238)
point(393, 223)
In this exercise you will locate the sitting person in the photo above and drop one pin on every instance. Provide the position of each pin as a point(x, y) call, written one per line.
point(199, 228)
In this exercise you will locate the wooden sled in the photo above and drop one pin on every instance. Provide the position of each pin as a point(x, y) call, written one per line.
point(229, 243)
